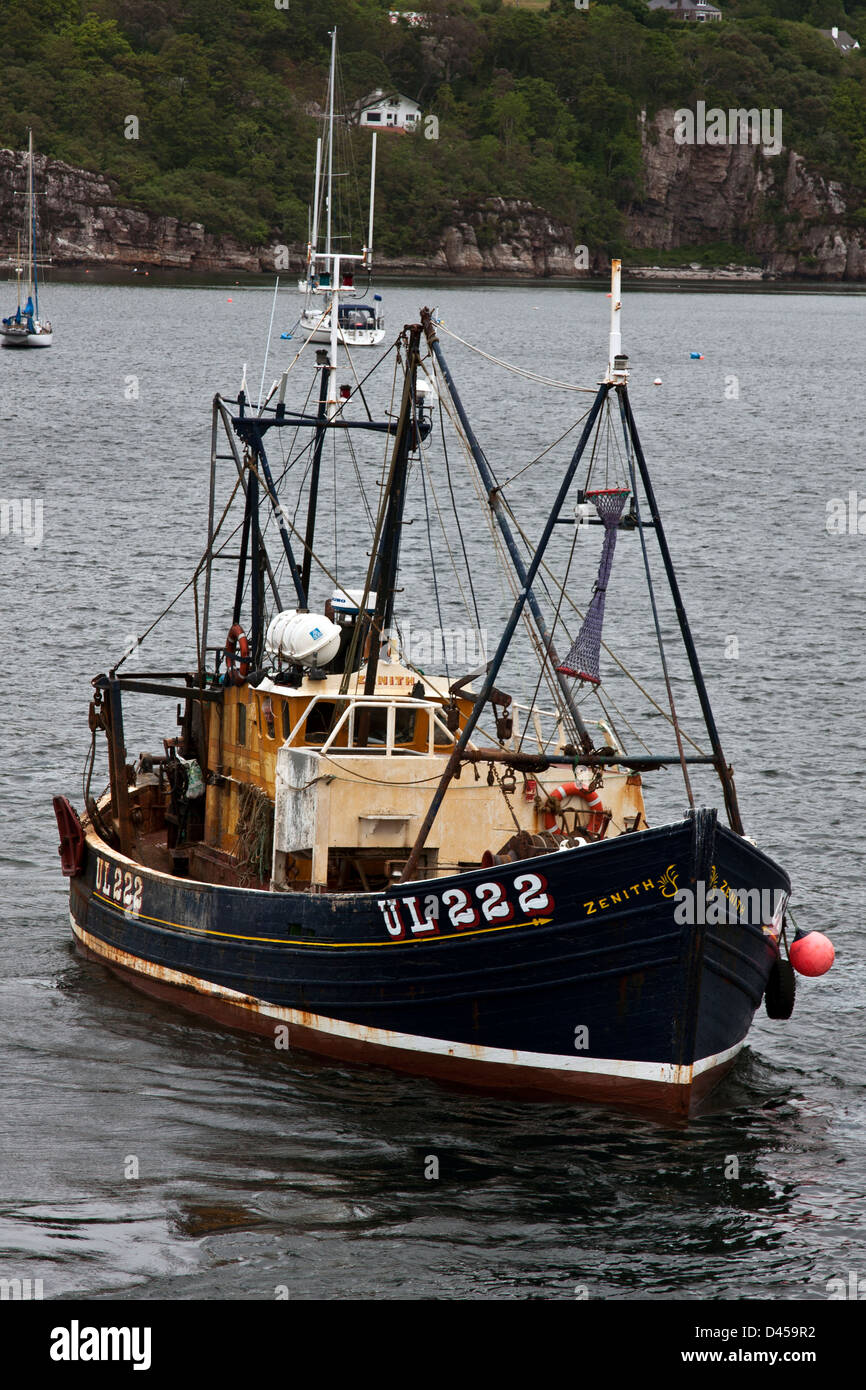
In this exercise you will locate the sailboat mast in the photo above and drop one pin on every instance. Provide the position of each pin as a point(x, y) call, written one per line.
point(19, 270)
point(331, 137)
point(314, 235)
point(335, 322)
point(31, 210)
point(368, 258)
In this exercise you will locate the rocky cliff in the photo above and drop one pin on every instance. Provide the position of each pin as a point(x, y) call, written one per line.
point(797, 222)
point(84, 223)
point(504, 236)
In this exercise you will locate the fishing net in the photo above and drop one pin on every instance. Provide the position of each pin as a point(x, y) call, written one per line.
point(255, 833)
point(583, 656)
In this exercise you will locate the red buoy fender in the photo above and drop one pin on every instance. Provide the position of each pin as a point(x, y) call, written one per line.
point(812, 953)
point(237, 655)
point(73, 841)
point(587, 794)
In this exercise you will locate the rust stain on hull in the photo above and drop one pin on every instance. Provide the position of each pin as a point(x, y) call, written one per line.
point(678, 1096)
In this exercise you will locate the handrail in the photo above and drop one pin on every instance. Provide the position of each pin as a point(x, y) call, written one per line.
point(390, 704)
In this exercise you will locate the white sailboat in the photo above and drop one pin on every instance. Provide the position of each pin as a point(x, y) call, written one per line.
point(25, 328)
point(330, 278)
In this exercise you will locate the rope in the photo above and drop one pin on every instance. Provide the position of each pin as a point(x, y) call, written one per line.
point(423, 472)
point(196, 572)
point(454, 503)
point(518, 371)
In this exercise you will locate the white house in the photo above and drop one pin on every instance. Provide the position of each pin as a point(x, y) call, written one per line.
point(695, 11)
point(841, 38)
point(388, 111)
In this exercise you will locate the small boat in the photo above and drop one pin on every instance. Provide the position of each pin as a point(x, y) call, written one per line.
point(353, 854)
point(358, 324)
point(25, 328)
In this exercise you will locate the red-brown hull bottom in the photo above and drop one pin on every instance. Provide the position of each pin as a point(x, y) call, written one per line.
point(519, 1081)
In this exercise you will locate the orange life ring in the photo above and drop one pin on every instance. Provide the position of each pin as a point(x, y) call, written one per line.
point(237, 651)
point(589, 795)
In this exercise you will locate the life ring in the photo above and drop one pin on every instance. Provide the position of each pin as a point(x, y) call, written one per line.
point(589, 795)
point(237, 655)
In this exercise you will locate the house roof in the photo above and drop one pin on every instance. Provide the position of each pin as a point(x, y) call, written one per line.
point(673, 5)
point(841, 38)
point(379, 97)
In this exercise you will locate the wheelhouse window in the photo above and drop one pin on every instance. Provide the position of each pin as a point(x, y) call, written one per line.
point(319, 721)
point(377, 728)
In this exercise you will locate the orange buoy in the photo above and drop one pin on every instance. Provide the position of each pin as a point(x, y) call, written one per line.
point(812, 953)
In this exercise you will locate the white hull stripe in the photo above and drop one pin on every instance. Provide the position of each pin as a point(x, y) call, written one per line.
point(661, 1072)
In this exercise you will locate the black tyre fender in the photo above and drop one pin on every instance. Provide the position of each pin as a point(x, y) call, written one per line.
point(781, 989)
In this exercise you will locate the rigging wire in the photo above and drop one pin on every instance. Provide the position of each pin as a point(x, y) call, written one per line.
point(598, 695)
point(610, 652)
point(423, 472)
point(544, 452)
point(454, 500)
point(455, 570)
point(190, 582)
point(508, 579)
point(518, 371)
point(669, 687)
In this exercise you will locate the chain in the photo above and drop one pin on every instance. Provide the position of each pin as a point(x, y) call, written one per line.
point(507, 797)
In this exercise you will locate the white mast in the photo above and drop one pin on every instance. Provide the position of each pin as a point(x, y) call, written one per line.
point(314, 237)
point(617, 365)
point(368, 258)
point(331, 135)
point(30, 228)
point(335, 324)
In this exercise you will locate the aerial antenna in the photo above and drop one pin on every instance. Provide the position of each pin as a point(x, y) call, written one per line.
point(268, 343)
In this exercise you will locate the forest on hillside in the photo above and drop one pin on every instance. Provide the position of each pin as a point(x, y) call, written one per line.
point(541, 104)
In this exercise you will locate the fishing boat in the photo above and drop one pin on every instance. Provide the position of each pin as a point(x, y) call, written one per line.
point(25, 328)
point(356, 856)
point(333, 266)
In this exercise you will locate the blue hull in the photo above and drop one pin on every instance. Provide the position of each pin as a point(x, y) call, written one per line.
point(564, 974)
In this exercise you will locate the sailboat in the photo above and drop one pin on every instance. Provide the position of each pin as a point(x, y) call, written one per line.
point(25, 328)
point(351, 854)
point(359, 324)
